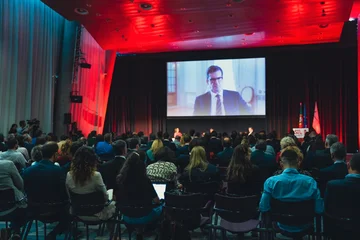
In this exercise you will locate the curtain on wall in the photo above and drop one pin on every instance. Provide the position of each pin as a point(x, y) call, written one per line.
point(30, 43)
point(93, 84)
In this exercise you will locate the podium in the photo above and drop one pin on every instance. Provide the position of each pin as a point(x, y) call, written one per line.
point(300, 132)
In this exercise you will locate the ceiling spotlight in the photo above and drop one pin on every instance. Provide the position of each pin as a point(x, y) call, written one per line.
point(145, 6)
point(323, 25)
point(81, 11)
point(352, 19)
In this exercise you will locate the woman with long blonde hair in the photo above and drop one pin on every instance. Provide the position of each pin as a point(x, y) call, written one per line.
point(155, 147)
point(198, 169)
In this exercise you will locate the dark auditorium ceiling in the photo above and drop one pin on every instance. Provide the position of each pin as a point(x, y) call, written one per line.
point(182, 25)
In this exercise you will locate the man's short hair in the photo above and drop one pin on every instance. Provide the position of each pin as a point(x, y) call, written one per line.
point(226, 142)
point(187, 138)
point(133, 142)
point(213, 134)
point(166, 135)
point(355, 162)
point(152, 136)
point(331, 139)
point(75, 146)
point(119, 147)
point(289, 157)
point(107, 137)
point(213, 69)
point(49, 149)
point(261, 145)
point(11, 143)
point(36, 153)
point(22, 123)
point(339, 150)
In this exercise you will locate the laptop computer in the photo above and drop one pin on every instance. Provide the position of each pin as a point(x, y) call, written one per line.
point(160, 190)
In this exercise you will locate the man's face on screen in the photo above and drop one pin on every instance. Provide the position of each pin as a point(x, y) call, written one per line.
point(215, 81)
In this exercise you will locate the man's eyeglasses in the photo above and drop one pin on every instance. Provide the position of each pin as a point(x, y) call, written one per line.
point(215, 79)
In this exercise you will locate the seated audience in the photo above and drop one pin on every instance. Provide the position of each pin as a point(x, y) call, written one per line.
point(37, 133)
point(284, 143)
point(83, 179)
point(13, 129)
point(64, 156)
point(11, 179)
point(167, 142)
point(290, 186)
point(135, 189)
point(21, 148)
point(44, 182)
point(152, 137)
point(264, 161)
point(11, 154)
point(98, 138)
point(223, 157)
point(300, 159)
point(133, 144)
point(269, 149)
point(104, 147)
point(110, 169)
point(157, 144)
point(177, 142)
point(272, 141)
point(184, 149)
point(3, 146)
point(36, 155)
point(214, 144)
point(28, 142)
point(40, 140)
point(342, 199)
point(199, 170)
point(243, 178)
point(164, 169)
point(22, 128)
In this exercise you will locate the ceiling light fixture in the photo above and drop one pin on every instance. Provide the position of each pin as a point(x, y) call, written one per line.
point(81, 11)
point(145, 6)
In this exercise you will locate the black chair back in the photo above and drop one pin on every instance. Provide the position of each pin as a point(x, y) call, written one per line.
point(87, 204)
point(7, 199)
point(234, 208)
point(207, 188)
point(135, 211)
point(292, 213)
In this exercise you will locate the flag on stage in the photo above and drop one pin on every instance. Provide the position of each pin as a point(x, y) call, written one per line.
point(301, 117)
point(316, 120)
point(305, 117)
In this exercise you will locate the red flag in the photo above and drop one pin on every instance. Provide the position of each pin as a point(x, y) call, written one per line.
point(301, 119)
point(316, 120)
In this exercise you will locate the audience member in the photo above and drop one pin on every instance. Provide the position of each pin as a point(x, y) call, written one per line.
point(136, 189)
point(21, 129)
point(266, 162)
point(243, 178)
point(44, 182)
point(320, 158)
point(167, 142)
point(177, 142)
point(28, 142)
point(11, 154)
point(36, 154)
point(150, 154)
point(21, 148)
point(214, 144)
point(40, 140)
point(64, 156)
point(13, 129)
point(223, 157)
point(290, 186)
point(184, 149)
point(105, 147)
point(110, 169)
point(134, 145)
point(3, 146)
point(300, 159)
point(164, 169)
point(84, 179)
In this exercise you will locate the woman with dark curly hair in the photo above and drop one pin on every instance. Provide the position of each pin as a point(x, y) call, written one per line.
point(83, 179)
point(242, 176)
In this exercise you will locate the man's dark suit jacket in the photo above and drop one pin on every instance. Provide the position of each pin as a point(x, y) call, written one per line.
point(182, 150)
point(170, 145)
point(44, 182)
point(215, 145)
point(265, 162)
point(110, 170)
point(335, 171)
point(233, 104)
point(224, 157)
point(342, 197)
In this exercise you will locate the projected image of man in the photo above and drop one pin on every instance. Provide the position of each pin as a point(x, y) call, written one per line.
point(217, 101)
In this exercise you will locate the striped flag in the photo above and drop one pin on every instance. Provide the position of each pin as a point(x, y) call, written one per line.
point(316, 120)
point(301, 117)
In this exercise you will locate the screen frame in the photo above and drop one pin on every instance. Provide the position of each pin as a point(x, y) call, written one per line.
point(209, 116)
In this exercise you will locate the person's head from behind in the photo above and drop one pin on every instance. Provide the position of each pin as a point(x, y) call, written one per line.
point(165, 154)
point(156, 145)
point(41, 140)
point(239, 163)
point(234, 134)
point(330, 140)
point(65, 148)
point(338, 151)
point(159, 134)
point(196, 142)
point(22, 123)
point(36, 153)
point(355, 164)
point(49, 150)
point(133, 170)
point(176, 130)
point(261, 145)
point(214, 78)
point(226, 142)
point(289, 158)
point(27, 138)
point(13, 128)
point(197, 159)
point(252, 140)
point(20, 139)
point(166, 135)
point(75, 146)
point(187, 139)
point(99, 138)
point(12, 143)
point(108, 138)
point(119, 147)
point(83, 165)
point(214, 134)
point(152, 136)
point(287, 141)
point(197, 135)
point(64, 137)
point(177, 138)
point(134, 143)
point(192, 132)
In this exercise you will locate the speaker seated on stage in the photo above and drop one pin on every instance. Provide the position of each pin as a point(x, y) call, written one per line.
point(105, 148)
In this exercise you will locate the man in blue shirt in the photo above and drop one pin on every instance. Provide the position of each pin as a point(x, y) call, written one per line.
point(290, 186)
point(105, 148)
